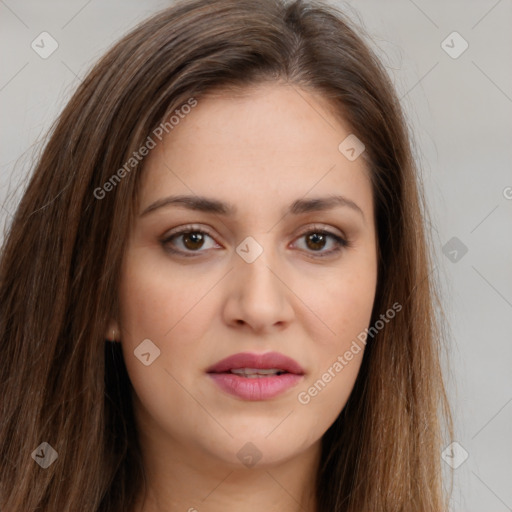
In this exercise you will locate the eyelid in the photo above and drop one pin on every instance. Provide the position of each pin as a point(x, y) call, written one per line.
point(321, 227)
point(187, 228)
point(340, 238)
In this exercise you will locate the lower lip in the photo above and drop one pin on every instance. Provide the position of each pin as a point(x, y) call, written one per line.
point(258, 388)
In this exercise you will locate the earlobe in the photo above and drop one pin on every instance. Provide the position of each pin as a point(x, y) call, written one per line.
point(112, 332)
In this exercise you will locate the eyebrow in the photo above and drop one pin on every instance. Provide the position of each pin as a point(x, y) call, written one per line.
point(209, 205)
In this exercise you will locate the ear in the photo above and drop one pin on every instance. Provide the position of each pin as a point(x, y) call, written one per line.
point(113, 332)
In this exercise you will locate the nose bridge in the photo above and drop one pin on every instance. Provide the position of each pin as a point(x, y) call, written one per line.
point(256, 259)
point(261, 293)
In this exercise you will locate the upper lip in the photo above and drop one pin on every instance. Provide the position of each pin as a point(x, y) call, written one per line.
point(260, 361)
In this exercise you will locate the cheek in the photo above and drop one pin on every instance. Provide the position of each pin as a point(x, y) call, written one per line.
point(351, 311)
point(173, 310)
point(338, 351)
point(154, 303)
point(166, 309)
point(342, 304)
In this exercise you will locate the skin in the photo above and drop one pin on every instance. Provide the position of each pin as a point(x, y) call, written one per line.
point(260, 150)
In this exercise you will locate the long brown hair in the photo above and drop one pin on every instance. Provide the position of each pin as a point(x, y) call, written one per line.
point(63, 384)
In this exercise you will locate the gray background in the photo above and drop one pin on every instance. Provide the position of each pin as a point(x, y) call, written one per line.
point(460, 110)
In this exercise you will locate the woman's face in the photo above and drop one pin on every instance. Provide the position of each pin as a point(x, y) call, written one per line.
point(267, 275)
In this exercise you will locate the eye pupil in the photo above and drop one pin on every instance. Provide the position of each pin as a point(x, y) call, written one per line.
point(193, 241)
point(317, 239)
point(193, 238)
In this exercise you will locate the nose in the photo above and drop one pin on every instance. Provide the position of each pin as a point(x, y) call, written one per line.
point(259, 297)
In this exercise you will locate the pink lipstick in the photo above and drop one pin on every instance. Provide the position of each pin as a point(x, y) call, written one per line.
point(256, 376)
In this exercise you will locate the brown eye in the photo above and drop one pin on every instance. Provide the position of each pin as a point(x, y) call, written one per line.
point(316, 241)
point(193, 240)
point(187, 242)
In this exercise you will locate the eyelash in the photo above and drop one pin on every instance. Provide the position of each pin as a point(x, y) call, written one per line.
point(342, 243)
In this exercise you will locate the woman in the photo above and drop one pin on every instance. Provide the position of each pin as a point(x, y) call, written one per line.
point(216, 290)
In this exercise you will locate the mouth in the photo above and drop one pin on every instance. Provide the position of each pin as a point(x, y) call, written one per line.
point(247, 364)
point(252, 377)
point(256, 373)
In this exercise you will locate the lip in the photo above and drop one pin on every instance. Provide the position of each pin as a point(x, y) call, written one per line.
point(250, 360)
point(259, 388)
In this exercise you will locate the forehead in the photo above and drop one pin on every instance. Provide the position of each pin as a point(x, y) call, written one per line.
point(272, 142)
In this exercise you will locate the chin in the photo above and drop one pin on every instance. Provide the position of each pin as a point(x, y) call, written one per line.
point(251, 449)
